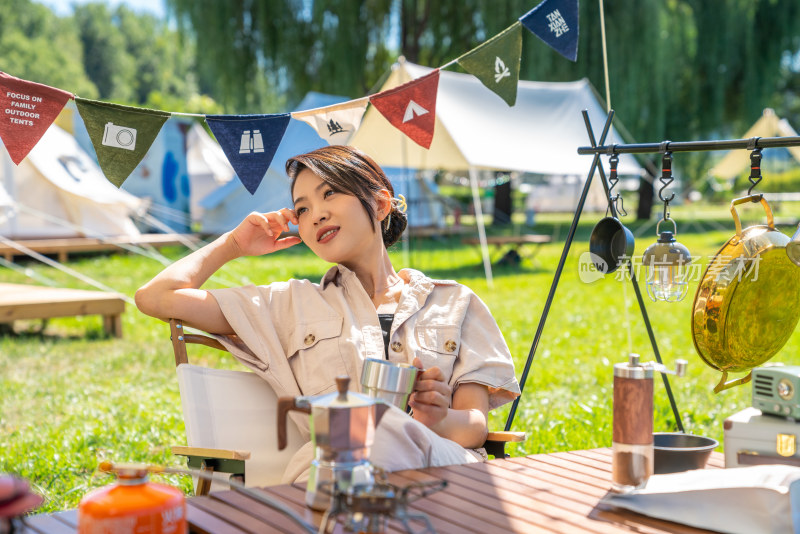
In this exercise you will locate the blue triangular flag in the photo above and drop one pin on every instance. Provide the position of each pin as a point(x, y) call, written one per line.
point(249, 142)
point(556, 23)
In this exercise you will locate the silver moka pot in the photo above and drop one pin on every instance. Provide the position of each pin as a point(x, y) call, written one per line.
point(343, 429)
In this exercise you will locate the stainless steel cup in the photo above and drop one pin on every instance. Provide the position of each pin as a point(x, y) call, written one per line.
point(389, 381)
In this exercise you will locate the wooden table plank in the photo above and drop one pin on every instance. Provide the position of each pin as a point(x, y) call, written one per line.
point(278, 521)
point(58, 523)
point(537, 498)
point(447, 513)
point(556, 493)
point(202, 522)
point(495, 515)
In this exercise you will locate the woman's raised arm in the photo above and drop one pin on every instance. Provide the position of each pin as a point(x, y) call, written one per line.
point(175, 292)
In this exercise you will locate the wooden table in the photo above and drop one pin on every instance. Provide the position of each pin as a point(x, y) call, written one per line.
point(521, 244)
point(554, 493)
point(62, 247)
point(20, 301)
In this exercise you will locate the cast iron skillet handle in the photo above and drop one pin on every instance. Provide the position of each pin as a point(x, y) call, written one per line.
point(726, 385)
point(752, 198)
point(285, 405)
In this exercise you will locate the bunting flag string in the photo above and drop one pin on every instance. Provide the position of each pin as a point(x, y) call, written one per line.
point(29, 109)
point(556, 23)
point(337, 123)
point(411, 107)
point(496, 62)
point(121, 135)
point(249, 142)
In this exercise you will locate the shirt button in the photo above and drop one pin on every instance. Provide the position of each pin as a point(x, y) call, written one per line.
point(397, 346)
point(309, 339)
point(450, 345)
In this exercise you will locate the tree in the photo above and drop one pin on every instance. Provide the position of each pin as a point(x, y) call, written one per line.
point(38, 46)
point(678, 69)
point(105, 58)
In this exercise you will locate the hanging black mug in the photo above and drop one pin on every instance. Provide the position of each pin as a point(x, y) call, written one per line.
point(612, 243)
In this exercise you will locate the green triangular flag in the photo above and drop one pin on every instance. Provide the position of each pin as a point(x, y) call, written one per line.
point(496, 62)
point(121, 135)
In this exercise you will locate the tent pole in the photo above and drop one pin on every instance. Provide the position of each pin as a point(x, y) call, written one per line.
point(8, 183)
point(564, 253)
point(406, 188)
point(476, 201)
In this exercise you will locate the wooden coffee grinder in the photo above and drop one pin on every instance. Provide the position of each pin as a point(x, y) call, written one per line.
point(632, 441)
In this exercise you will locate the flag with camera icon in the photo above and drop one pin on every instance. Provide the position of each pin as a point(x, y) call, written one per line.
point(496, 62)
point(29, 110)
point(249, 143)
point(121, 135)
point(556, 23)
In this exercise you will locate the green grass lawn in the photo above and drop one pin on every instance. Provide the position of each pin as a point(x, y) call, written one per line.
point(70, 396)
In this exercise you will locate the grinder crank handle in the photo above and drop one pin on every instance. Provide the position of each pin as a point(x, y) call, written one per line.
point(285, 405)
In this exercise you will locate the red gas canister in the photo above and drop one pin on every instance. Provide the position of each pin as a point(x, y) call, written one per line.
point(132, 505)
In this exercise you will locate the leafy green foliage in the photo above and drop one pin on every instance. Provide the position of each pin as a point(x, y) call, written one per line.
point(112, 54)
point(38, 46)
point(70, 396)
point(678, 69)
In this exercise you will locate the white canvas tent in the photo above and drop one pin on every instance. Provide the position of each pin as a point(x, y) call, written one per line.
point(207, 166)
point(59, 191)
point(476, 130)
point(768, 125)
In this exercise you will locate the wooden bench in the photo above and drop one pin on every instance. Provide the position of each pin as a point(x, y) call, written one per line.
point(18, 302)
point(62, 247)
point(503, 244)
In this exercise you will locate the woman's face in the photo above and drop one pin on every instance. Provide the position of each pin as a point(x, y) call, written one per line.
point(334, 225)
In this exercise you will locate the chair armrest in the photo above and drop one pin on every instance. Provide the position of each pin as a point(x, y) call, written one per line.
point(211, 461)
point(506, 437)
point(496, 442)
point(218, 454)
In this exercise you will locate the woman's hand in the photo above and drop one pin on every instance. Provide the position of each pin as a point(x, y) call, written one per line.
point(258, 233)
point(431, 397)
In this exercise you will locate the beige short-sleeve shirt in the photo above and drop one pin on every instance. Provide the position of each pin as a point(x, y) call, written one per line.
point(299, 335)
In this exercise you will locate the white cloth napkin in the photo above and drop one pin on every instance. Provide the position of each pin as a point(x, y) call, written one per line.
point(741, 500)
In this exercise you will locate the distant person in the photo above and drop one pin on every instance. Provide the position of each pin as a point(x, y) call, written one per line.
point(300, 335)
point(530, 209)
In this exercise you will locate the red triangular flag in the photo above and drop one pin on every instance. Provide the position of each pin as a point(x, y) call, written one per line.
point(411, 107)
point(28, 111)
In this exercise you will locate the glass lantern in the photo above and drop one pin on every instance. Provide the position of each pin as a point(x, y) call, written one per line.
point(667, 264)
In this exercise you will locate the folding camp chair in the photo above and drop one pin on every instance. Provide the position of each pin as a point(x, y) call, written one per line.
point(231, 420)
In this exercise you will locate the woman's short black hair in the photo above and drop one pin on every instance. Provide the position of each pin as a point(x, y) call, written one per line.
point(350, 171)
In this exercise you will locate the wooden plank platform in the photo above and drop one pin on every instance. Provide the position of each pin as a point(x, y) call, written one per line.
point(62, 247)
point(19, 301)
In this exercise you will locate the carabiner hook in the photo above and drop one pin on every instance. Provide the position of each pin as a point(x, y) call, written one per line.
point(666, 176)
point(755, 169)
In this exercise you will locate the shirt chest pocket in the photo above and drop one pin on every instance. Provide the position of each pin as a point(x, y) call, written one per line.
point(314, 355)
point(438, 346)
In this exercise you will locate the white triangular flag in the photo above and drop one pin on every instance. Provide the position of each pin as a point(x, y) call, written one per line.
point(335, 124)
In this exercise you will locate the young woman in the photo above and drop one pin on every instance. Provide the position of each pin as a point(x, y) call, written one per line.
point(300, 335)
